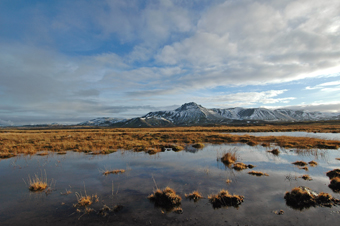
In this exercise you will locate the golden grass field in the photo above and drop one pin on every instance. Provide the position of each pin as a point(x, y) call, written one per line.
point(152, 140)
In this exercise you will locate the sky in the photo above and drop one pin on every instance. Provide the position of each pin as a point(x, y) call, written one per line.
point(70, 61)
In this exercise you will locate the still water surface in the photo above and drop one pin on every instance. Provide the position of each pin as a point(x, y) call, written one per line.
point(184, 171)
point(326, 136)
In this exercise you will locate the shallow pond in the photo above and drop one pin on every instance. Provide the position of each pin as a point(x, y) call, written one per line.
point(183, 171)
point(325, 136)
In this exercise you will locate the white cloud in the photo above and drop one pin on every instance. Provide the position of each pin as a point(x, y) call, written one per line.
point(253, 42)
point(324, 86)
point(249, 98)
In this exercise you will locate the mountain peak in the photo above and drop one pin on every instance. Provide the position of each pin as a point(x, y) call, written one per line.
point(187, 106)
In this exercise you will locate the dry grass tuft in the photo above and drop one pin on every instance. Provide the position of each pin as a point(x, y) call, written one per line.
point(195, 195)
point(5, 155)
point(303, 197)
point(335, 184)
point(229, 158)
point(153, 151)
point(257, 173)
point(306, 177)
point(280, 212)
point(300, 163)
point(275, 151)
point(178, 210)
point(198, 145)
point(85, 200)
point(107, 172)
point(37, 183)
point(167, 198)
point(67, 192)
point(312, 163)
point(241, 166)
point(304, 168)
point(223, 198)
point(228, 181)
point(333, 173)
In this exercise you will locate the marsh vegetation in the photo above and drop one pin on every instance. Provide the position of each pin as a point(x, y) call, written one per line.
point(77, 157)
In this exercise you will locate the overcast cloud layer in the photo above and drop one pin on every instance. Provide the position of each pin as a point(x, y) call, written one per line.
point(70, 61)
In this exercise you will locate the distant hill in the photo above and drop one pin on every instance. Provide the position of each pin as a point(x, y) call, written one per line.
point(191, 114)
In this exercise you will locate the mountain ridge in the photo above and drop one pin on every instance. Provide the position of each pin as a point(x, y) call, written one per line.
point(191, 114)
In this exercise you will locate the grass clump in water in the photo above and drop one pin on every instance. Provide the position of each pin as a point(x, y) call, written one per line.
point(306, 177)
point(335, 184)
point(300, 163)
point(167, 198)
point(241, 166)
point(257, 173)
point(333, 173)
point(229, 158)
point(304, 168)
point(198, 145)
point(195, 195)
point(37, 183)
point(312, 163)
point(275, 151)
point(85, 200)
point(117, 171)
point(223, 198)
point(303, 197)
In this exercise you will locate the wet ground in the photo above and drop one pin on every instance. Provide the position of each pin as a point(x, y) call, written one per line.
point(183, 171)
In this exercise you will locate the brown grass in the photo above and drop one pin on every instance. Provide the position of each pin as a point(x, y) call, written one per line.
point(5, 155)
point(85, 200)
point(302, 197)
point(241, 166)
point(166, 198)
point(257, 173)
point(198, 145)
point(223, 198)
point(333, 173)
point(304, 168)
point(306, 177)
point(104, 141)
point(37, 183)
point(275, 151)
point(229, 158)
point(178, 210)
point(107, 172)
point(300, 163)
point(312, 163)
point(228, 181)
point(195, 195)
point(335, 184)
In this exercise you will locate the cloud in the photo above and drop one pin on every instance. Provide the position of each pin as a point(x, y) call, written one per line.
point(326, 87)
point(72, 58)
point(248, 98)
point(322, 106)
point(269, 43)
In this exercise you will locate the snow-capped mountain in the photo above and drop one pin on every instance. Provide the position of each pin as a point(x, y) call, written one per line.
point(270, 115)
point(194, 114)
point(189, 113)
